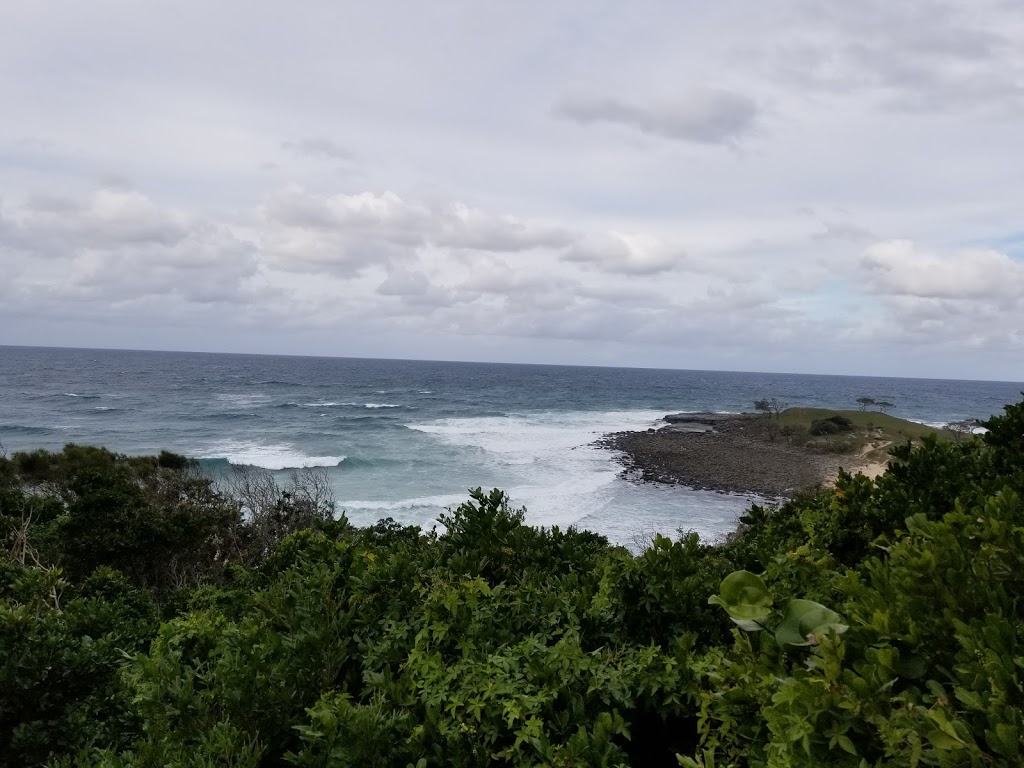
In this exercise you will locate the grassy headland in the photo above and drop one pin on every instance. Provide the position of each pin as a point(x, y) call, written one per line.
point(868, 435)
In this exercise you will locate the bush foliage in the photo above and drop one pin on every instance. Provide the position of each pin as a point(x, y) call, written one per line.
point(832, 425)
point(149, 619)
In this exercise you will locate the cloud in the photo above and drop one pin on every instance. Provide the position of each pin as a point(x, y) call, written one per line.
point(624, 254)
point(963, 301)
point(403, 282)
point(298, 248)
point(900, 268)
point(703, 116)
point(303, 230)
point(318, 148)
point(107, 219)
point(117, 246)
point(460, 226)
point(384, 262)
point(917, 55)
point(844, 231)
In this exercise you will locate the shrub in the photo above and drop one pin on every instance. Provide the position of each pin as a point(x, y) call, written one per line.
point(831, 425)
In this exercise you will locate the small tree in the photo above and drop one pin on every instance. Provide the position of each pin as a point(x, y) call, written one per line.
point(770, 407)
point(864, 402)
point(882, 405)
point(962, 429)
point(272, 511)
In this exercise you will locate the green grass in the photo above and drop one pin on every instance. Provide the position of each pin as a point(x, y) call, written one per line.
point(890, 426)
point(872, 434)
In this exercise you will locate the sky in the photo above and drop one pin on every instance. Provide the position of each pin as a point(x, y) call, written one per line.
point(790, 185)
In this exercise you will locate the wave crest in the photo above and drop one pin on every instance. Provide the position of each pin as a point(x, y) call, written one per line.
point(272, 457)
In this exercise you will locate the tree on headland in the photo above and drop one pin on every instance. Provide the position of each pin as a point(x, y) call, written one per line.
point(770, 406)
point(881, 405)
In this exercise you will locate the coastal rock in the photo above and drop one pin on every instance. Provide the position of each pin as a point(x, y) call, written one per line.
point(720, 452)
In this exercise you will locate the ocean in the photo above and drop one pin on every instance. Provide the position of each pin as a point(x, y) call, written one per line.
point(406, 439)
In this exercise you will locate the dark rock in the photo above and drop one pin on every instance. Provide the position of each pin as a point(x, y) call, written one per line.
point(721, 452)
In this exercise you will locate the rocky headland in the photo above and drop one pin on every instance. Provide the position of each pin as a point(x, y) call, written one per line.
point(741, 453)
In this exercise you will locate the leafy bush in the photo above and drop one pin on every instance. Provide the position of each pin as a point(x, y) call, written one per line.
point(832, 425)
point(61, 648)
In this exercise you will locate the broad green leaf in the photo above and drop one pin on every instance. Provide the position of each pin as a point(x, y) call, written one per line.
point(804, 621)
point(745, 598)
point(1006, 741)
point(944, 741)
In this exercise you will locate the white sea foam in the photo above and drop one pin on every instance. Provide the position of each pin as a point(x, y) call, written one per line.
point(275, 457)
point(546, 461)
point(442, 501)
point(241, 399)
point(523, 435)
point(348, 404)
point(933, 424)
point(975, 430)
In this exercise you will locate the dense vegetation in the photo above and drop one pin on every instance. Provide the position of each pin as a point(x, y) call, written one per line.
point(148, 619)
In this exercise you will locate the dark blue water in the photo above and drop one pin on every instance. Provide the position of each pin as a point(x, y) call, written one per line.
point(407, 438)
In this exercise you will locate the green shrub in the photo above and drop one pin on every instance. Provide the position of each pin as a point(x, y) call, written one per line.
point(832, 425)
point(61, 648)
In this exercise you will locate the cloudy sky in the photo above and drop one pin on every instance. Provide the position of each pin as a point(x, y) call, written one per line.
point(790, 185)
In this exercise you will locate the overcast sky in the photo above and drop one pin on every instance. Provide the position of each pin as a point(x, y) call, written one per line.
point(787, 185)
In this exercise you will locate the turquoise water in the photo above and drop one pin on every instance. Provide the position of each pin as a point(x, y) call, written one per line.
point(405, 439)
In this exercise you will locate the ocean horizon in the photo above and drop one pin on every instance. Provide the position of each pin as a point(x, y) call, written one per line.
point(407, 438)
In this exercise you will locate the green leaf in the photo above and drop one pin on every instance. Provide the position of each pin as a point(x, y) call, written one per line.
point(847, 744)
point(745, 598)
point(944, 741)
point(1006, 741)
point(804, 621)
point(910, 666)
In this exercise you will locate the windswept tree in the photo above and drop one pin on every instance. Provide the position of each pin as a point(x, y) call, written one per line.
point(870, 402)
point(770, 407)
point(273, 510)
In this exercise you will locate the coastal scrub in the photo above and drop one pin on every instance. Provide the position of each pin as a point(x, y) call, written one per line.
point(873, 622)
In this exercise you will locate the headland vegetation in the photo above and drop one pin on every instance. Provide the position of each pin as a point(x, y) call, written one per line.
point(149, 617)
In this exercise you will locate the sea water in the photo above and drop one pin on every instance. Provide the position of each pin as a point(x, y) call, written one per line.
point(406, 439)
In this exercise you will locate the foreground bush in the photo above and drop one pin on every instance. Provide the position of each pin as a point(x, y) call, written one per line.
point(875, 623)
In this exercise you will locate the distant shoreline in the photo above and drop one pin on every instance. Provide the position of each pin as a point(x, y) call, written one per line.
point(735, 453)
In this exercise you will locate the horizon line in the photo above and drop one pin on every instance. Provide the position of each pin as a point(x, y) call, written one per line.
point(495, 362)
